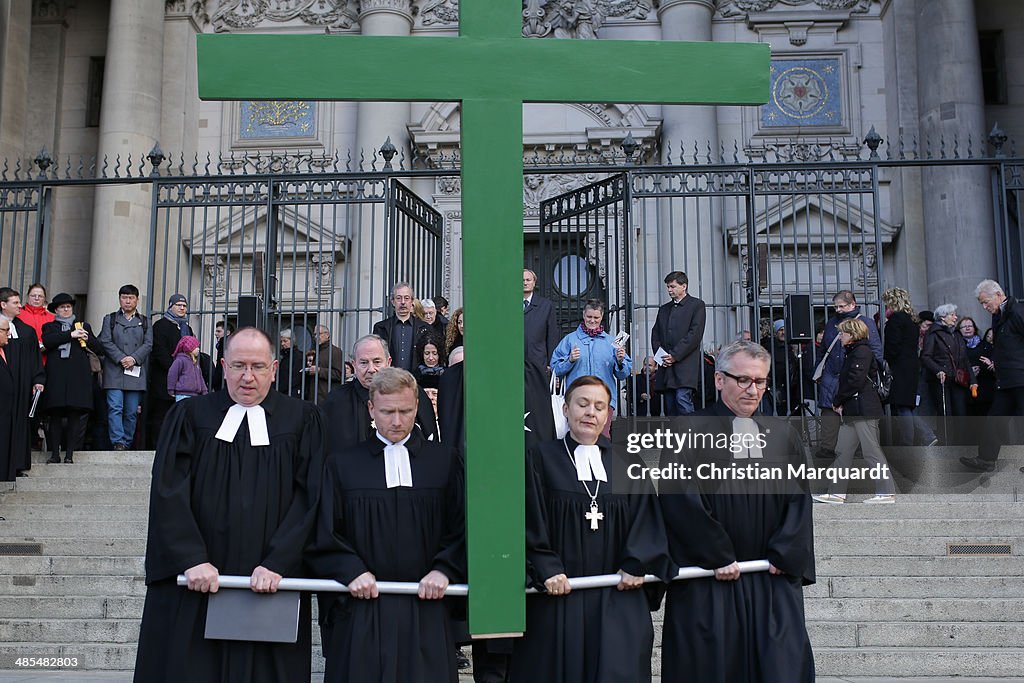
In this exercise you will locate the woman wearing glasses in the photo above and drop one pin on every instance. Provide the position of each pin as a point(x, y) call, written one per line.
point(858, 404)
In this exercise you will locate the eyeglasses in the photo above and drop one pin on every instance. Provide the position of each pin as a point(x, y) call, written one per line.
point(744, 382)
point(255, 368)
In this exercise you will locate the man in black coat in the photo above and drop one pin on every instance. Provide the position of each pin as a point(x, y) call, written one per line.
point(26, 366)
point(402, 330)
point(679, 333)
point(167, 332)
point(541, 336)
point(6, 403)
point(1008, 341)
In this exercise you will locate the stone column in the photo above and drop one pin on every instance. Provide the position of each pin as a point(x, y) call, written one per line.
point(690, 20)
point(15, 31)
point(958, 223)
point(375, 123)
point(130, 118)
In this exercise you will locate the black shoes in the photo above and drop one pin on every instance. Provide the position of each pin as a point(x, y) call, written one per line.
point(978, 465)
point(53, 459)
point(120, 447)
point(69, 459)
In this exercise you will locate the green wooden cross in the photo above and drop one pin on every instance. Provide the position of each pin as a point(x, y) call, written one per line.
point(492, 69)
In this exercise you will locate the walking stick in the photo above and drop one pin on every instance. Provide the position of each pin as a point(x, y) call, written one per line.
point(945, 424)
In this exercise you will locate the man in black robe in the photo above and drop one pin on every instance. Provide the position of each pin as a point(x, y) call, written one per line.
point(730, 627)
point(582, 519)
point(451, 407)
point(6, 401)
point(26, 366)
point(236, 481)
point(392, 509)
point(541, 336)
point(345, 408)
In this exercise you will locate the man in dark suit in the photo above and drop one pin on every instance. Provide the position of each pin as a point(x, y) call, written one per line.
point(402, 330)
point(679, 332)
point(167, 332)
point(1008, 364)
point(541, 337)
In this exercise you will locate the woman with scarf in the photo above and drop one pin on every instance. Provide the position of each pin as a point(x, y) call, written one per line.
point(979, 352)
point(167, 332)
point(68, 395)
point(947, 366)
point(589, 350)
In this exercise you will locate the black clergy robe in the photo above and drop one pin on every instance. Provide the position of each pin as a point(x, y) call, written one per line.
point(6, 418)
point(348, 418)
point(451, 406)
point(753, 629)
point(398, 534)
point(236, 506)
point(26, 367)
point(599, 635)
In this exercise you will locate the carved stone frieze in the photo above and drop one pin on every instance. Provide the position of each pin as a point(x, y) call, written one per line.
point(240, 14)
point(443, 12)
point(323, 271)
point(577, 18)
point(399, 6)
point(538, 187)
point(214, 276)
point(189, 8)
point(741, 8)
point(51, 9)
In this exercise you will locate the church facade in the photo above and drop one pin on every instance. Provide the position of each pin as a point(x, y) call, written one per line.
point(105, 80)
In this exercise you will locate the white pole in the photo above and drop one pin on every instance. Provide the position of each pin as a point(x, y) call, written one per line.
point(462, 590)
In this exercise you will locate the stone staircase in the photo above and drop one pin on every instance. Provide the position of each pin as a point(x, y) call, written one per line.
point(890, 599)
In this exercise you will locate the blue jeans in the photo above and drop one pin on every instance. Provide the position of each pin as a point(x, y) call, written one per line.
point(679, 401)
point(122, 414)
point(910, 426)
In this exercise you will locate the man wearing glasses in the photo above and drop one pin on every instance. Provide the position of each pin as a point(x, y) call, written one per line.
point(236, 482)
point(826, 374)
point(724, 628)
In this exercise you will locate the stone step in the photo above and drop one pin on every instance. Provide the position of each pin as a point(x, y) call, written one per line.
point(83, 483)
point(71, 607)
point(100, 457)
point(903, 546)
point(74, 497)
point(828, 528)
point(68, 631)
point(33, 585)
point(1008, 609)
point(89, 471)
point(70, 565)
point(872, 566)
point(964, 588)
point(134, 547)
point(919, 507)
point(890, 662)
point(73, 527)
point(17, 511)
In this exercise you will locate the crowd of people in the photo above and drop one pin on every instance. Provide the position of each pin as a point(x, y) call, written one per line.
point(353, 470)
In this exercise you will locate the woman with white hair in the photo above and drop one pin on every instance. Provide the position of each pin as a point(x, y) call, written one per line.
point(947, 365)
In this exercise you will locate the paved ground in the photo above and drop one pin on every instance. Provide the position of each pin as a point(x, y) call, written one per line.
point(126, 677)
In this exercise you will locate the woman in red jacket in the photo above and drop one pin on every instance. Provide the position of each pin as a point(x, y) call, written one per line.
point(34, 313)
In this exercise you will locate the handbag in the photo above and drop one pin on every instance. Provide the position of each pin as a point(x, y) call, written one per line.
point(557, 412)
point(960, 375)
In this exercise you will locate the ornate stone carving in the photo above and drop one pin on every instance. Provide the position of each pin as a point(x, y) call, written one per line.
point(449, 184)
point(538, 187)
point(51, 9)
point(577, 18)
point(323, 271)
point(194, 8)
point(400, 6)
point(214, 276)
point(868, 271)
point(439, 12)
point(235, 14)
point(740, 8)
point(446, 260)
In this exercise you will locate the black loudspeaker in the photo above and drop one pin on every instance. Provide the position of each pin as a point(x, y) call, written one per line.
point(799, 318)
point(250, 311)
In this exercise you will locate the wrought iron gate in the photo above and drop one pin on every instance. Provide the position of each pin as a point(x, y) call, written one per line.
point(415, 242)
point(584, 245)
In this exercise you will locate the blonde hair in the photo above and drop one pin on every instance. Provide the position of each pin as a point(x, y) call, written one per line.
point(897, 299)
point(392, 381)
point(854, 327)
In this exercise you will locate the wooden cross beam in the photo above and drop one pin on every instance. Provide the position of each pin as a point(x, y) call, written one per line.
point(492, 70)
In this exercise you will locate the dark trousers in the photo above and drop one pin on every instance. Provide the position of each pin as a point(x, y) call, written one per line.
point(67, 428)
point(1007, 403)
point(830, 424)
point(490, 662)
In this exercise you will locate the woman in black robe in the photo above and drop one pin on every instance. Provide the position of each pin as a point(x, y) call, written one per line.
point(599, 635)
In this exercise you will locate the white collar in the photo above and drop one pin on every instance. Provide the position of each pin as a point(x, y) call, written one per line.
point(747, 428)
point(257, 418)
point(588, 463)
point(397, 469)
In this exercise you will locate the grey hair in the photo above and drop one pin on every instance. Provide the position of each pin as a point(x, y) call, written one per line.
point(369, 338)
point(723, 362)
point(402, 285)
point(944, 310)
point(428, 303)
point(990, 287)
point(286, 333)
